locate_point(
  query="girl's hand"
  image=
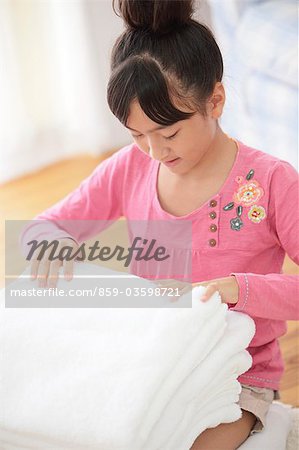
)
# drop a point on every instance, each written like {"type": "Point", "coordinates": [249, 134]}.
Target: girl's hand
{"type": "Point", "coordinates": [227, 287]}
{"type": "Point", "coordinates": [47, 272]}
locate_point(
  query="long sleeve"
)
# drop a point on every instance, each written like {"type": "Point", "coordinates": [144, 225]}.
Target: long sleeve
{"type": "Point", "coordinates": [88, 210]}
{"type": "Point", "coordinates": [275, 295]}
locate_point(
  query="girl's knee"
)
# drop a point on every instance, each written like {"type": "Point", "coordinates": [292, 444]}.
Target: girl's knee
{"type": "Point", "coordinates": [226, 436]}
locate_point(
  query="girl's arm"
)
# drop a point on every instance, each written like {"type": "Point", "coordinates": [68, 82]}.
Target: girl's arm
{"type": "Point", "coordinates": [276, 296]}
{"type": "Point", "coordinates": [86, 211]}
{"type": "Point", "coordinates": [271, 296]}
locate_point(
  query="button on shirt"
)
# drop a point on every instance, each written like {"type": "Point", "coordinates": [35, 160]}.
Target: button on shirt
{"type": "Point", "coordinates": [245, 230]}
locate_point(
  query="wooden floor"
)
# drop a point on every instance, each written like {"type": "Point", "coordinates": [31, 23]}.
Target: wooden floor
{"type": "Point", "coordinates": [27, 196]}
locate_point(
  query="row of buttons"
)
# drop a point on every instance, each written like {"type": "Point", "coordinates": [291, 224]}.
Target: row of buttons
{"type": "Point", "coordinates": [213, 227]}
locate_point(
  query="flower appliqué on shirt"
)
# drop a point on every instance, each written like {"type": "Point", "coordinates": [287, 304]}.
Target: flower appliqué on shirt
{"type": "Point", "coordinates": [256, 214]}
{"type": "Point", "coordinates": [247, 195]}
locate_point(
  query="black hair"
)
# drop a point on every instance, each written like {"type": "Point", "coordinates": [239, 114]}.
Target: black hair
{"type": "Point", "coordinates": [162, 55]}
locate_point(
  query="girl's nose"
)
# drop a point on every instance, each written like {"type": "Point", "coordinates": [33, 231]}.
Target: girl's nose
{"type": "Point", "coordinates": [157, 151]}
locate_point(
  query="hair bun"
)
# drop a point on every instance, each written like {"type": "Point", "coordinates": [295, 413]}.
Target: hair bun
{"type": "Point", "coordinates": [158, 16]}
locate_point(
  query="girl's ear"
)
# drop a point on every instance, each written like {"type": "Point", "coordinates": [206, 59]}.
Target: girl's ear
{"type": "Point", "coordinates": [217, 101]}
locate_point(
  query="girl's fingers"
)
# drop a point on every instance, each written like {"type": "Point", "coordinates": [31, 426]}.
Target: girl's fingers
{"type": "Point", "coordinates": [211, 289]}
{"type": "Point", "coordinates": [227, 288]}
{"type": "Point", "coordinates": [43, 272]}
{"type": "Point", "coordinates": [164, 283]}
{"type": "Point", "coordinates": [34, 269]}
{"type": "Point", "coordinates": [54, 273]}
{"type": "Point", "coordinates": [68, 268]}
{"type": "Point", "coordinates": [47, 271]}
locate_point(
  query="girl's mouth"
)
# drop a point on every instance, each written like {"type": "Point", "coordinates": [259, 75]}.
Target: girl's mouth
{"type": "Point", "coordinates": [173, 162]}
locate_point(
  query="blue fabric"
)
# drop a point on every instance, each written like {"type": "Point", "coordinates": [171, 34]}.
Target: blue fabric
{"type": "Point", "coordinates": [258, 40]}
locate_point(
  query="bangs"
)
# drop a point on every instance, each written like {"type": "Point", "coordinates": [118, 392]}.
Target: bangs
{"type": "Point", "coordinates": [141, 78]}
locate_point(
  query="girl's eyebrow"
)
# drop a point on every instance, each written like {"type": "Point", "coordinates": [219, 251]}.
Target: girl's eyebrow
{"type": "Point", "coordinates": [160, 127]}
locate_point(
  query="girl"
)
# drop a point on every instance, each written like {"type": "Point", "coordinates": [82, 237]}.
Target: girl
{"type": "Point", "coordinates": [166, 88]}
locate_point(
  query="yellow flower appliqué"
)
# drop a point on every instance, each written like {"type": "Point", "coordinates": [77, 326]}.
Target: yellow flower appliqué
{"type": "Point", "coordinates": [249, 193]}
{"type": "Point", "coordinates": [256, 213]}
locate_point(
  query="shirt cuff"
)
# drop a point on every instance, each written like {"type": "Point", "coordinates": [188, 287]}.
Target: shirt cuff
{"type": "Point", "coordinates": [243, 284]}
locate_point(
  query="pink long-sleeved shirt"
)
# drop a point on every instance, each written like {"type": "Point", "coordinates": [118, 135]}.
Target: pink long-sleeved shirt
{"type": "Point", "coordinates": [251, 246]}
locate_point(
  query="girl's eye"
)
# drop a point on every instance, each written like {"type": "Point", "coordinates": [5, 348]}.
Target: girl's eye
{"type": "Point", "coordinates": [171, 137]}
{"type": "Point", "coordinates": [136, 137]}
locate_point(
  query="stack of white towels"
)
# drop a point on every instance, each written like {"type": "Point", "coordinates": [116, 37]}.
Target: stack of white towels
{"type": "Point", "coordinates": [119, 378]}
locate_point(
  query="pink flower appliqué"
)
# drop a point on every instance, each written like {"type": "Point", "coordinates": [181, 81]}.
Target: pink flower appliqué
{"type": "Point", "coordinates": [249, 193]}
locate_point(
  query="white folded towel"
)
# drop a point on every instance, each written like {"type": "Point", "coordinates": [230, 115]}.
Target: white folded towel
{"type": "Point", "coordinates": [274, 436]}
{"type": "Point", "coordinates": [117, 378]}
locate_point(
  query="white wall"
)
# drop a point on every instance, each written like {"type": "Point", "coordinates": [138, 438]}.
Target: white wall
{"type": "Point", "coordinates": [54, 68]}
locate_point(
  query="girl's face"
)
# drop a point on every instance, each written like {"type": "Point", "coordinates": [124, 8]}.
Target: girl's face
{"type": "Point", "coordinates": [186, 141]}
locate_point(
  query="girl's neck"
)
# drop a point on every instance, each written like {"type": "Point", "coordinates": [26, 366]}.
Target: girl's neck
{"type": "Point", "coordinates": [219, 158]}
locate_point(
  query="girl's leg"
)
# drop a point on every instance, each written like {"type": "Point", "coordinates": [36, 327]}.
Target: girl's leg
{"type": "Point", "coordinates": [226, 436]}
